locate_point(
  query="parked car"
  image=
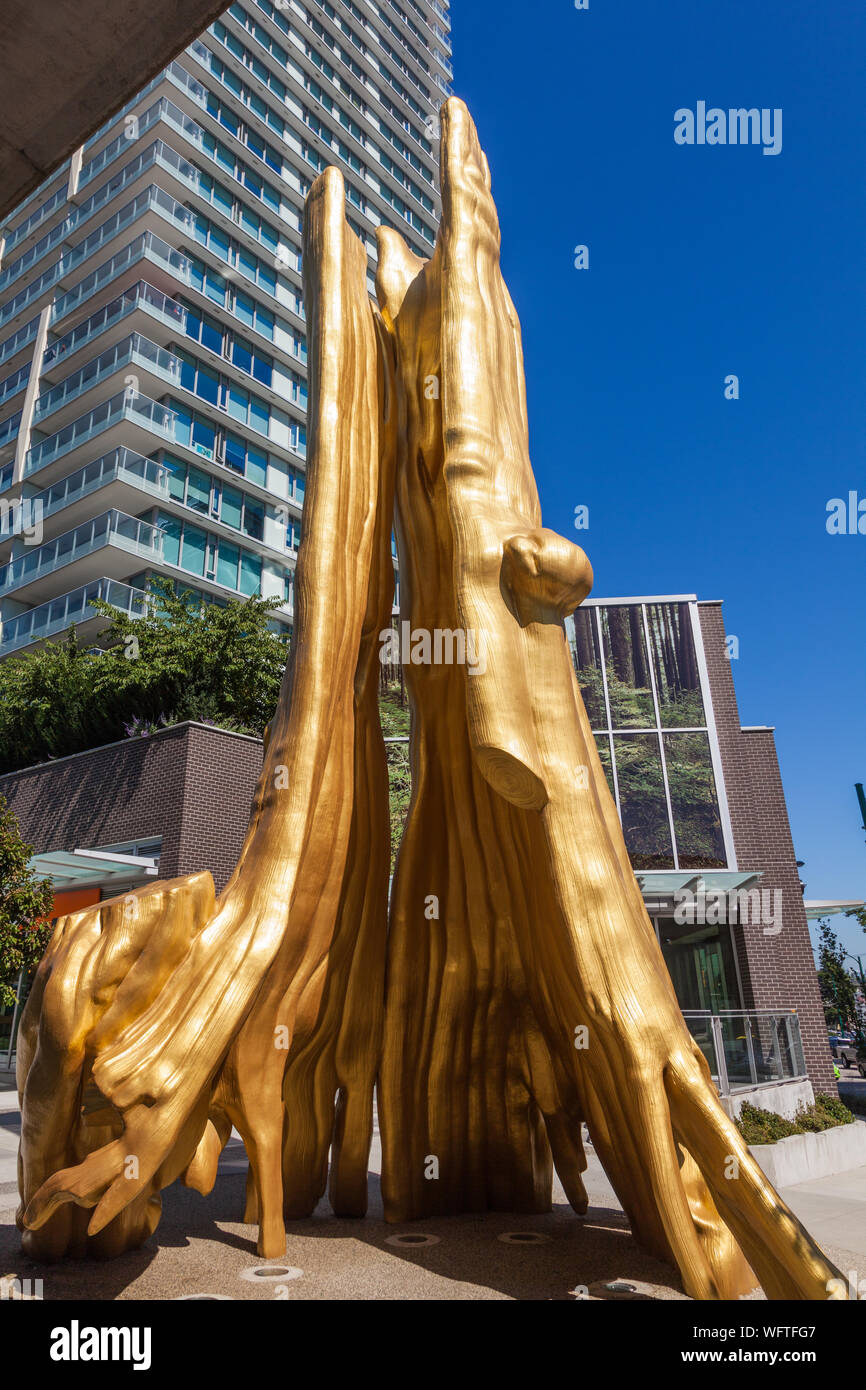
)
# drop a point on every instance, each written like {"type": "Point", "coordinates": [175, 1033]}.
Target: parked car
{"type": "Point", "coordinates": [852, 1056]}
{"type": "Point", "coordinates": [847, 1051]}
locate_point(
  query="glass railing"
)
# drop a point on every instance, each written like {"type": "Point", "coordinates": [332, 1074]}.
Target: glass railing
{"type": "Point", "coordinates": [147, 245]}
{"type": "Point", "coordinates": [57, 199]}
{"type": "Point", "coordinates": [68, 262]}
{"type": "Point", "coordinates": [111, 528]}
{"type": "Point", "coordinates": [14, 383]}
{"type": "Point", "coordinates": [36, 252]}
{"type": "Point", "coordinates": [161, 110]}
{"type": "Point", "coordinates": [82, 214]}
{"type": "Point", "coordinates": [32, 291]}
{"type": "Point", "coordinates": [107, 155]}
{"type": "Point", "coordinates": [9, 428]}
{"type": "Point", "coordinates": [49, 619]}
{"type": "Point", "coordinates": [123, 465]}
{"type": "Point", "coordinates": [135, 348]}
{"type": "Point", "coordinates": [133, 101]}
{"type": "Point", "coordinates": [129, 405]}
{"type": "Point", "coordinates": [140, 296]}
{"type": "Point", "coordinates": [185, 80]}
{"type": "Point", "coordinates": [19, 340]}
{"type": "Point", "coordinates": [750, 1048]}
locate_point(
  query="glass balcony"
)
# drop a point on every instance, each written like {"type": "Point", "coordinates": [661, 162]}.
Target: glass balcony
{"type": "Point", "coordinates": [133, 101]}
{"type": "Point", "coordinates": [120, 466]}
{"type": "Point", "coordinates": [751, 1048]}
{"type": "Point", "coordinates": [147, 246]}
{"type": "Point", "coordinates": [140, 296]}
{"type": "Point", "coordinates": [91, 245]}
{"type": "Point", "coordinates": [81, 215]}
{"type": "Point", "coordinates": [19, 340]}
{"type": "Point", "coordinates": [135, 350]}
{"type": "Point", "coordinates": [50, 619]}
{"type": "Point", "coordinates": [57, 199]}
{"type": "Point", "coordinates": [9, 428]}
{"type": "Point", "coordinates": [111, 528]}
{"type": "Point", "coordinates": [15, 383]}
{"type": "Point", "coordinates": [121, 144]}
{"type": "Point", "coordinates": [127, 406]}
{"type": "Point", "coordinates": [33, 291]}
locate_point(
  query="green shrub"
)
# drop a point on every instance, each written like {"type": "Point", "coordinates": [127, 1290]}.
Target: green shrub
{"type": "Point", "coordinates": [836, 1110]}
{"type": "Point", "coordinates": [759, 1126]}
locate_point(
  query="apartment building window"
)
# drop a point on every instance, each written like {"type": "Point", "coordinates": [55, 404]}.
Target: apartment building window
{"type": "Point", "coordinates": [203, 554]}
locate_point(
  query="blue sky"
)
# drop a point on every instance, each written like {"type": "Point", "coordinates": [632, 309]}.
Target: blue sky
{"type": "Point", "coordinates": [704, 261]}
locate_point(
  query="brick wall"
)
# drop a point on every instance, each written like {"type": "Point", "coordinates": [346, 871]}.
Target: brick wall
{"type": "Point", "coordinates": [191, 784]}
{"type": "Point", "coordinates": [777, 971]}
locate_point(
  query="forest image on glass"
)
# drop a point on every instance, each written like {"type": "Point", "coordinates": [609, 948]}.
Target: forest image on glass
{"type": "Point", "coordinates": [638, 671]}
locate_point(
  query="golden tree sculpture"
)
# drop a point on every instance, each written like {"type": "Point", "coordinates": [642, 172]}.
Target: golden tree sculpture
{"type": "Point", "coordinates": [514, 989]}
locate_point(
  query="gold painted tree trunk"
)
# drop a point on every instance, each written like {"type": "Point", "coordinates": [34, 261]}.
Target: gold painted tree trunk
{"type": "Point", "coordinates": [518, 933]}
{"type": "Point", "coordinates": [273, 996]}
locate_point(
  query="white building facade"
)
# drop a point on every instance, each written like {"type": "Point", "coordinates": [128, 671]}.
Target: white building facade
{"type": "Point", "coordinates": [153, 380]}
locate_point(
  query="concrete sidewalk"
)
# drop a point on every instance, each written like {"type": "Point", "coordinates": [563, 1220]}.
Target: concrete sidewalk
{"type": "Point", "coordinates": [202, 1249]}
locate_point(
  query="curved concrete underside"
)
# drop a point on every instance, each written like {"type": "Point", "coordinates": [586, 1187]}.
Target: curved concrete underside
{"type": "Point", "coordinates": [68, 65]}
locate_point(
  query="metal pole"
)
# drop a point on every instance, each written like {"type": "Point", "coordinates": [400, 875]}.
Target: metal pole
{"type": "Point", "coordinates": [858, 787]}
{"type": "Point", "coordinates": [721, 1060]}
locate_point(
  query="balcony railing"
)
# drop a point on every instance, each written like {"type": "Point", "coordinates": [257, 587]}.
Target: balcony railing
{"type": "Point", "coordinates": [9, 428]}
{"type": "Point", "coordinates": [747, 1049]}
{"type": "Point", "coordinates": [128, 405]}
{"type": "Point", "coordinates": [121, 465]}
{"type": "Point", "coordinates": [134, 349]}
{"type": "Point", "coordinates": [140, 296]}
{"type": "Point", "coordinates": [111, 528]}
{"type": "Point", "coordinates": [48, 619]}
{"type": "Point", "coordinates": [147, 245]}
{"type": "Point", "coordinates": [19, 340]}
{"type": "Point", "coordinates": [15, 383]}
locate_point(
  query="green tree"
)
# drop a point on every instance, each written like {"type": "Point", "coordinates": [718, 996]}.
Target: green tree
{"type": "Point", "coordinates": [183, 659]}
{"type": "Point", "coordinates": [859, 915]}
{"type": "Point", "coordinates": [189, 660]}
{"type": "Point", "coordinates": [25, 902]}
{"type": "Point", "coordinates": [837, 986]}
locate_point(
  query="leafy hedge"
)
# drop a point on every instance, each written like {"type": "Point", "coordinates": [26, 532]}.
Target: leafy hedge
{"type": "Point", "coordinates": [759, 1126]}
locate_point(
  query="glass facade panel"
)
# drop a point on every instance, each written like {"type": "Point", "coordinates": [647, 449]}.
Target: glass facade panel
{"type": "Point", "coordinates": [587, 663]}
{"type": "Point", "coordinates": [171, 544]}
{"type": "Point", "coordinates": [643, 806]}
{"type": "Point", "coordinates": [631, 683]}
{"type": "Point", "coordinates": [231, 507]}
{"type": "Point", "coordinates": [227, 564]}
{"type": "Point", "coordinates": [694, 801]}
{"type": "Point", "coordinates": [198, 490]}
{"type": "Point", "coordinates": [675, 665]}
{"type": "Point", "coordinates": [602, 743]}
{"type": "Point", "coordinates": [700, 961]}
{"type": "Point", "coordinates": [194, 549]}
{"type": "Point", "coordinates": [628, 676]}
{"type": "Point", "coordinates": [251, 573]}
